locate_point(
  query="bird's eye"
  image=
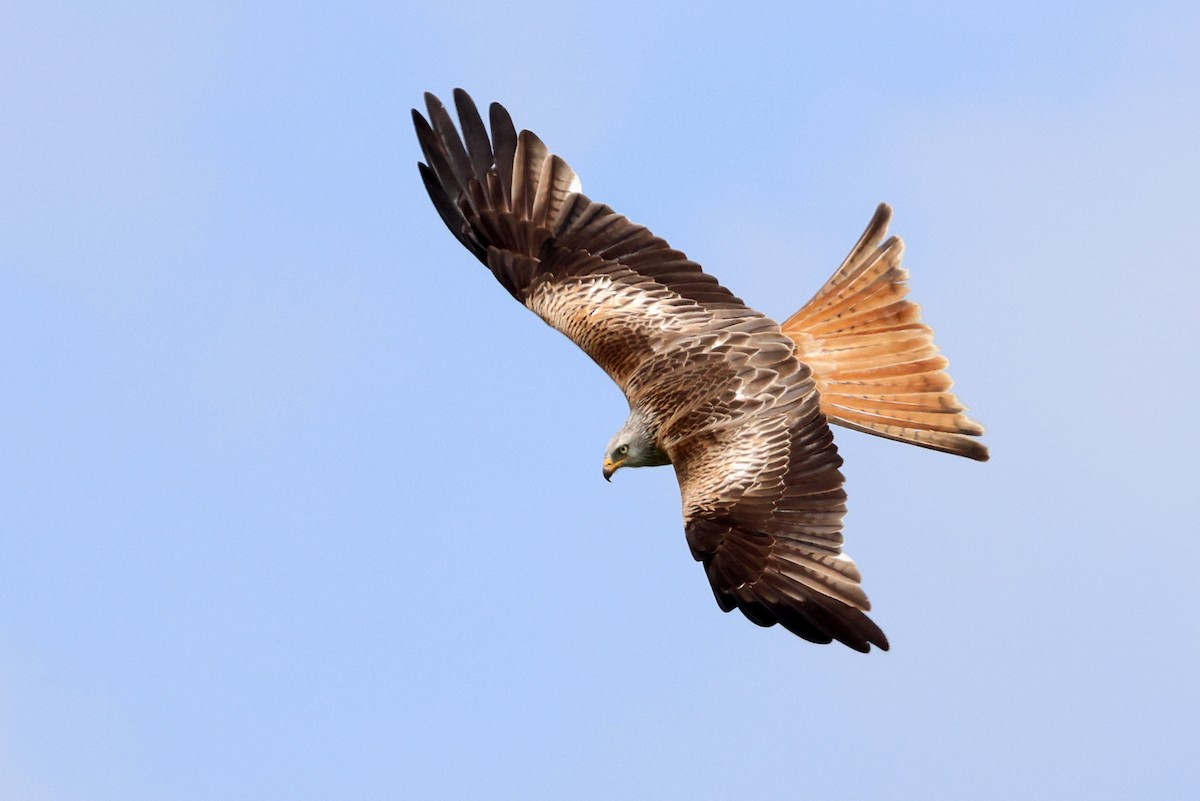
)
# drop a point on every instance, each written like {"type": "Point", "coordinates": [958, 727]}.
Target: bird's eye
{"type": "Point", "coordinates": [621, 451]}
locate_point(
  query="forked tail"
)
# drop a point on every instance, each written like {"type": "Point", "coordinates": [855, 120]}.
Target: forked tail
{"type": "Point", "coordinates": [873, 360]}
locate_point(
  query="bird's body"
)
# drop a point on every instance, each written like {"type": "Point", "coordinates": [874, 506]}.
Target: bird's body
{"type": "Point", "coordinates": [737, 403]}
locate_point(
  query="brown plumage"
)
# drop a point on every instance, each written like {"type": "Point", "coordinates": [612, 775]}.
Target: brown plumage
{"type": "Point", "coordinates": [738, 404]}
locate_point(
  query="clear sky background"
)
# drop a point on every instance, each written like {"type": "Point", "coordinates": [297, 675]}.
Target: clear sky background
{"type": "Point", "coordinates": [296, 503]}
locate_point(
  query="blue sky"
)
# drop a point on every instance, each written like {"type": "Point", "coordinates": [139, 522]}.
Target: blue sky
{"type": "Point", "coordinates": [298, 504]}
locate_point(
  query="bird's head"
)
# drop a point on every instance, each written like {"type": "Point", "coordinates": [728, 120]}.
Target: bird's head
{"type": "Point", "coordinates": [632, 446]}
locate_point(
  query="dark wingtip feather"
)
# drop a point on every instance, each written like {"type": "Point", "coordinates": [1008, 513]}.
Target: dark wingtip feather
{"type": "Point", "coordinates": [504, 142]}
{"type": "Point", "coordinates": [424, 133]}
{"type": "Point", "coordinates": [452, 145]}
{"type": "Point", "coordinates": [479, 146]}
{"type": "Point", "coordinates": [449, 212]}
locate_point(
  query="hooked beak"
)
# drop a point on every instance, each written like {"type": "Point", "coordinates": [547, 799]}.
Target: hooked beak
{"type": "Point", "coordinates": [610, 467]}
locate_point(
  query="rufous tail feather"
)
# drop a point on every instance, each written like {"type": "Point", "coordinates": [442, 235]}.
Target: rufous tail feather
{"type": "Point", "coordinates": [873, 360]}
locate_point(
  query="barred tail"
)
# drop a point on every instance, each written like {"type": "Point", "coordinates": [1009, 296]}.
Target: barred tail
{"type": "Point", "coordinates": [873, 360]}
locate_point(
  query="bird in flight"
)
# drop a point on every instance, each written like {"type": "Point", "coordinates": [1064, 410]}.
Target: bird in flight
{"type": "Point", "coordinates": [739, 404]}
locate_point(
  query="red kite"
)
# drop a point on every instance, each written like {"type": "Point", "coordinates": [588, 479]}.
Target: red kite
{"type": "Point", "coordinates": [738, 403]}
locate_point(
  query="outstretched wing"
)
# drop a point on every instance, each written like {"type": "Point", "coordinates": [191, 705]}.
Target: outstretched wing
{"type": "Point", "coordinates": [608, 284]}
{"type": "Point", "coordinates": [763, 506]}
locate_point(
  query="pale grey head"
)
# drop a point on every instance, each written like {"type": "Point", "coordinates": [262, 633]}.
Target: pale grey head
{"type": "Point", "coordinates": [633, 446]}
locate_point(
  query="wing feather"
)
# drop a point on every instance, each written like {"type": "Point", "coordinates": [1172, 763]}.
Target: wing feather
{"type": "Point", "coordinates": [479, 146]}
{"type": "Point", "coordinates": [504, 145]}
{"type": "Point", "coordinates": [607, 283]}
{"type": "Point", "coordinates": [763, 507]}
{"type": "Point", "coordinates": [448, 211]}
{"type": "Point", "coordinates": [451, 144]}
{"type": "Point", "coordinates": [540, 188]}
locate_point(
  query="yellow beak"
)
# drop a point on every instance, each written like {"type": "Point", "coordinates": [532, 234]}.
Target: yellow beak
{"type": "Point", "coordinates": [611, 467]}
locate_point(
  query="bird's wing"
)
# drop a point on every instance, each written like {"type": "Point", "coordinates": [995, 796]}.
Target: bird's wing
{"type": "Point", "coordinates": [610, 285]}
{"type": "Point", "coordinates": [763, 504]}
